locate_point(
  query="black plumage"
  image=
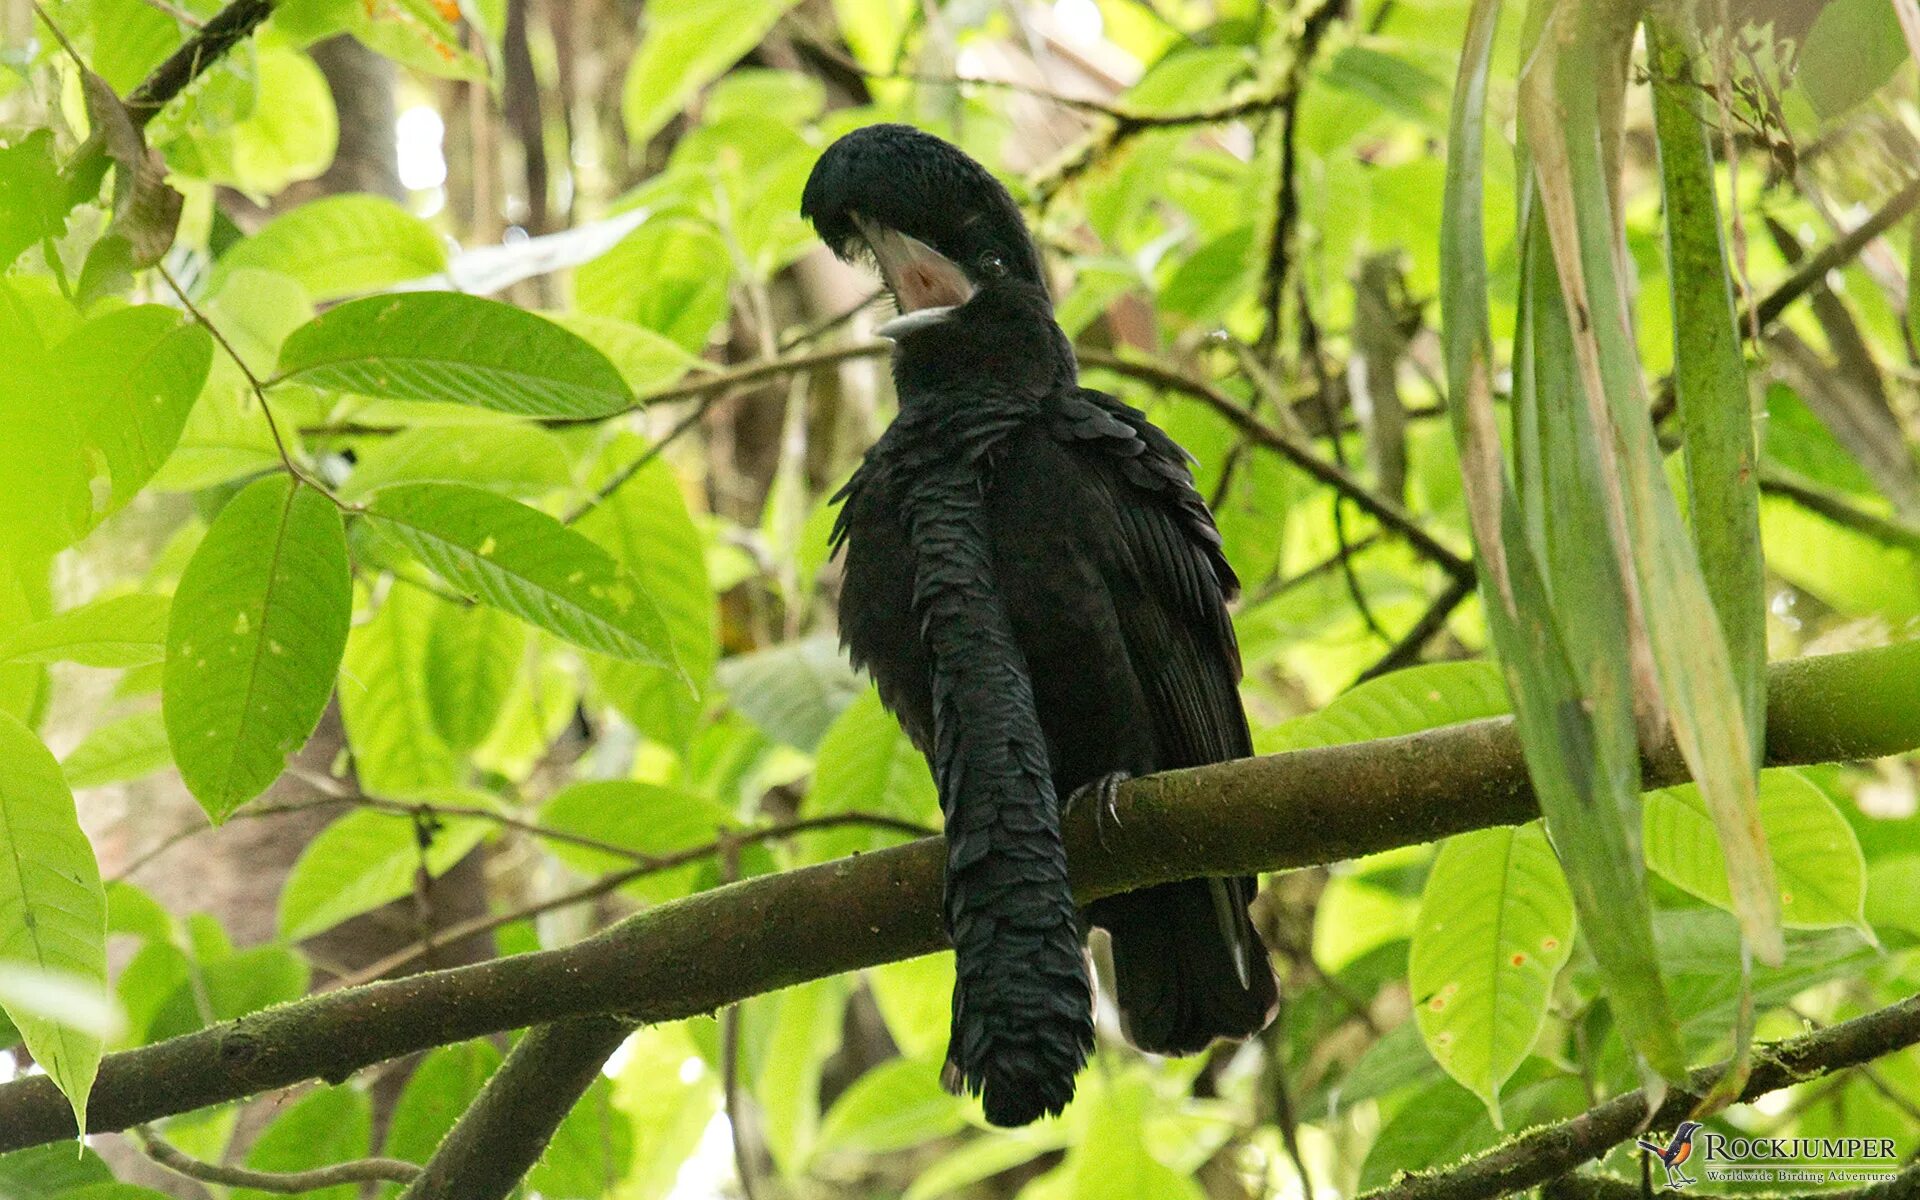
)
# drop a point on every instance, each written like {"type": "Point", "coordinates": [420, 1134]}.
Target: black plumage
{"type": "Point", "coordinates": [1039, 593]}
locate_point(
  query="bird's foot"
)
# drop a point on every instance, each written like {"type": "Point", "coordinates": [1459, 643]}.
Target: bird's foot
{"type": "Point", "coordinates": [1104, 792]}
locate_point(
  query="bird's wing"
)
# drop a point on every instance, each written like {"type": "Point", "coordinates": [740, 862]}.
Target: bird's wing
{"type": "Point", "coordinates": [1188, 962]}
{"type": "Point", "coordinates": [1170, 581]}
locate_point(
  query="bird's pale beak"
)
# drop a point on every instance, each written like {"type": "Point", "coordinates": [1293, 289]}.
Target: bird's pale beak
{"type": "Point", "coordinates": [925, 283]}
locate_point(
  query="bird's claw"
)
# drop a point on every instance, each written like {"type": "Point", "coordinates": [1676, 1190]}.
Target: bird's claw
{"type": "Point", "coordinates": [1106, 793]}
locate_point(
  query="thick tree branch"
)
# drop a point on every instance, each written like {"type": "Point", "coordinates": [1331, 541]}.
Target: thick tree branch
{"type": "Point", "coordinates": [496, 1143]}
{"type": "Point", "coordinates": [707, 950]}
{"type": "Point", "coordinates": [1552, 1150]}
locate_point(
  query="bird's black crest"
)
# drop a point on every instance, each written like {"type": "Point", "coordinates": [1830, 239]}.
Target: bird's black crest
{"type": "Point", "coordinates": [919, 185]}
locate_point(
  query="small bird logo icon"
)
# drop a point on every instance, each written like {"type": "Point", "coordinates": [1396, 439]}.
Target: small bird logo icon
{"type": "Point", "coordinates": [1678, 1149]}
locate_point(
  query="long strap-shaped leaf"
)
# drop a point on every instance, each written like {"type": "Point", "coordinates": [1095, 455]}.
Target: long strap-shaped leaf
{"type": "Point", "coordinates": [1594, 843]}
{"type": "Point", "coordinates": [1560, 105]}
{"type": "Point", "coordinates": [1710, 373]}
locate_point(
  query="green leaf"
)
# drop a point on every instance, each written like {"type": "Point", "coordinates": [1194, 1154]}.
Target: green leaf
{"type": "Point", "coordinates": [53, 911]}
{"type": "Point", "coordinates": [1852, 48]}
{"type": "Point", "coordinates": [982, 1158]}
{"type": "Point", "coordinates": [515, 459]}
{"type": "Point", "coordinates": [33, 201]}
{"type": "Point", "coordinates": [647, 360]}
{"type": "Point", "coordinates": [645, 525]}
{"type": "Point", "coordinates": [897, 1105]}
{"type": "Point", "coordinates": [437, 1093]}
{"type": "Point", "coordinates": [684, 44]}
{"type": "Point", "coordinates": [915, 998]}
{"type": "Point", "coordinates": [806, 1029]}
{"type": "Point", "coordinates": [647, 819]}
{"type": "Point", "coordinates": [669, 1095]}
{"type": "Point", "coordinates": [132, 376]}
{"type": "Point", "coordinates": [793, 691]}
{"type": "Point", "coordinates": [1495, 927]}
{"type": "Point", "coordinates": [254, 641]}
{"type": "Point", "coordinates": [473, 657]}
{"type": "Point", "coordinates": [1402, 702]}
{"type": "Point", "coordinates": [367, 859]}
{"type": "Point", "coordinates": [118, 751]}
{"type": "Point", "coordinates": [292, 137]}
{"type": "Point", "coordinates": [84, 1006]}
{"type": "Point", "coordinates": [1816, 857]}
{"type": "Point", "coordinates": [1710, 376]}
{"type": "Point", "coordinates": [333, 1125]}
{"type": "Point", "coordinates": [386, 701]}
{"type": "Point", "coordinates": [229, 985]}
{"type": "Point", "coordinates": [343, 246]}
{"type": "Point", "coordinates": [50, 1171]}
{"type": "Point", "coordinates": [455, 348]}
{"type": "Point", "coordinates": [670, 276]}
{"type": "Point", "coordinates": [522, 561]}
{"type": "Point", "coordinates": [590, 1152]}
{"type": "Point", "coordinates": [865, 763]}
{"type": "Point", "coordinates": [121, 631]}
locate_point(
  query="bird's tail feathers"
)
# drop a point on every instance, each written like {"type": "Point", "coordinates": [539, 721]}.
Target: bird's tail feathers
{"type": "Point", "coordinates": [1188, 966]}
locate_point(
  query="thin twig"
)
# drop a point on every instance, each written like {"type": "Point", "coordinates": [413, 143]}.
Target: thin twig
{"type": "Point", "coordinates": [475, 926]}
{"type": "Point", "coordinates": [286, 1183]}
{"type": "Point", "coordinates": [334, 789]}
{"type": "Point", "coordinates": [1273, 282]}
{"type": "Point", "coordinates": [259, 391]}
{"type": "Point", "coordinates": [1778, 481]}
{"type": "Point", "coordinates": [1330, 413]}
{"type": "Point", "coordinates": [1407, 650]}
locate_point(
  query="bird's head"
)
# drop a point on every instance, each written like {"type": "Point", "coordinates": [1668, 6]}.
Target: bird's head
{"type": "Point", "coordinates": [947, 238]}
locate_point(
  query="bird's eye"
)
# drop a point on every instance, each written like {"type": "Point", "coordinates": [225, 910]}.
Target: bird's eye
{"type": "Point", "coordinates": [992, 265]}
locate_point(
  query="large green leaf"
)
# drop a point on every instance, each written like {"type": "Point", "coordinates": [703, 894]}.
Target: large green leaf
{"type": "Point", "coordinates": [131, 376]}
{"type": "Point", "coordinates": [120, 631]}
{"type": "Point", "coordinates": [473, 657]}
{"type": "Point", "coordinates": [333, 1125]}
{"type": "Point", "coordinates": [793, 691]}
{"type": "Point", "coordinates": [53, 911]}
{"type": "Point", "coordinates": [865, 763]}
{"type": "Point", "coordinates": [683, 45]}
{"type": "Point", "coordinates": [1710, 375]}
{"type": "Point", "coordinates": [645, 525]}
{"type": "Point", "coordinates": [1495, 927]}
{"type": "Point", "coordinates": [343, 246]}
{"type": "Point", "coordinates": [1586, 800]}
{"type": "Point", "coordinates": [1398, 703]}
{"type": "Point", "coordinates": [897, 1105]}
{"type": "Point", "coordinates": [118, 751]}
{"type": "Point", "coordinates": [647, 819]}
{"type": "Point", "coordinates": [368, 858]}
{"type": "Point", "coordinates": [386, 701]}
{"type": "Point", "coordinates": [258, 625]}
{"type": "Point", "coordinates": [32, 198]}
{"type": "Point", "coordinates": [438, 1091]}
{"type": "Point", "coordinates": [512, 458]}
{"type": "Point", "coordinates": [1816, 857]}
{"type": "Point", "coordinates": [522, 561]}
{"type": "Point", "coordinates": [457, 348]}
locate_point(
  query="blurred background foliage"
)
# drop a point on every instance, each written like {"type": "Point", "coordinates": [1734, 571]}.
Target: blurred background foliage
{"type": "Point", "coordinates": [1240, 206]}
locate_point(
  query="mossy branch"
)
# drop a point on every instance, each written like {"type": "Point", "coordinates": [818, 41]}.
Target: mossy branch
{"type": "Point", "coordinates": [697, 954]}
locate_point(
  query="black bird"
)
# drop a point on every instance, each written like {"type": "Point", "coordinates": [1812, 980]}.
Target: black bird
{"type": "Point", "coordinates": [1039, 593]}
